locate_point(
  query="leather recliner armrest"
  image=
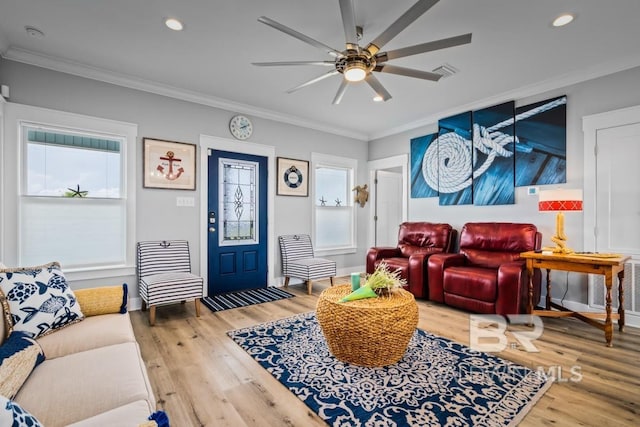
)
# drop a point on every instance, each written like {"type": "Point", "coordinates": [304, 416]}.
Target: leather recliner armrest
{"type": "Point", "coordinates": [380, 252]}
{"type": "Point", "coordinates": [512, 282]}
{"type": "Point", "coordinates": [437, 263]}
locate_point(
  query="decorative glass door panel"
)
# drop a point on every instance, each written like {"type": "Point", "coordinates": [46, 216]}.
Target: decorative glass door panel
{"type": "Point", "coordinates": [238, 183]}
{"type": "Point", "coordinates": [236, 221]}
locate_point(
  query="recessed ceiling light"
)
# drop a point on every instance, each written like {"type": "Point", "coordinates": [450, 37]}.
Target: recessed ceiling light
{"type": "Point", "coordinates": [174, 24]}
{"type": "Point", "coordinates": [377, 98]}
{"type": "Point", "coordinates": [562, 20]}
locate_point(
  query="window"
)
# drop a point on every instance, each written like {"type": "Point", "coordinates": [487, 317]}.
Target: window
{"type": "Point", "coordinates": [334, 210]}
{"type": "Point", "coordinates": [75, 192]}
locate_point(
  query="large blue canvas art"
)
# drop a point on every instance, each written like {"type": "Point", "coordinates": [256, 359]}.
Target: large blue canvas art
{"type": "Point", "coordinates": [541, 151]}
{"type": "Point", "coordinates": [454, 160]}
{"type": "Point", "coordinates": [421, 169]}
{"type": "Point", "coordinates": [479, 158]}
{"type": "Point", "coordinates": [493, 161]}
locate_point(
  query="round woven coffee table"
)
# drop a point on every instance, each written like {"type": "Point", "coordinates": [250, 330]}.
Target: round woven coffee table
{"type": "Point", "coordinates": [367, 332]}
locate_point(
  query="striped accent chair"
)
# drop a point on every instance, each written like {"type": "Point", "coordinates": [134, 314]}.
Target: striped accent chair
{"type": "Point", "coordinates": [298, 260]}
{"type": "Point", "coordinates": [164, 275]}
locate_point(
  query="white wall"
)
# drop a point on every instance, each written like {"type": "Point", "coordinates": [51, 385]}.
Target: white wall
{"type": "Point", "coordinates": [167, 118]}
{"type": "Point", "coordinates": [603, 94]}
{"type": "Point", "coordinates": [171, 119]}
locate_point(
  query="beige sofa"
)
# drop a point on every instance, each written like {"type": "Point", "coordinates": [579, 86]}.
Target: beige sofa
{"type": "Point", "coordinates": [93, 374]}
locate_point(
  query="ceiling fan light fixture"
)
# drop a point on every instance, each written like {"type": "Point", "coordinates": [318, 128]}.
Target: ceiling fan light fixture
{"type": "Point", "coordinates": [355, 72]}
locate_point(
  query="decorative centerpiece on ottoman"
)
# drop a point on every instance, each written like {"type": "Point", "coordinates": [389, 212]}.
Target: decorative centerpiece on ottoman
{"type": "Point", "coordinates": [367, 332]}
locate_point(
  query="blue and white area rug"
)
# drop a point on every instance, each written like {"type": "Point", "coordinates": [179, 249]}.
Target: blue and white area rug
{"type": "Point", "coordinates": [244, 298]}
{"type": "Point", "coordinates": [437, 383]}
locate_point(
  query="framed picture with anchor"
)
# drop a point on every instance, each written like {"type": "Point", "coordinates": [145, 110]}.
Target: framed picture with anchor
{"type": "Point", "coordinates": [293, 177]}
{"type": "Point", "coordinates": [169, 164]}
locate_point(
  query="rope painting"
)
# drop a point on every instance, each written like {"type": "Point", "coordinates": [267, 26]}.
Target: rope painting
{"type": "Point", "coordinates": [484, 155]}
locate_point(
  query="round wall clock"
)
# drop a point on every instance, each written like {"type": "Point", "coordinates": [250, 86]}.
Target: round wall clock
{"type": "Point", "coordinates": [240, 127]}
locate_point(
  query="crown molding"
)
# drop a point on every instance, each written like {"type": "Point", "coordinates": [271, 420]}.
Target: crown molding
{"type": "Point", "coordinates": [543, 86]}
{"type": "Point", "coordinates": [120, 79]}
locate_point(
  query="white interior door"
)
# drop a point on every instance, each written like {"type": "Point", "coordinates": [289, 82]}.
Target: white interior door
{"type": "Point", "coordinates": [618, 190]}
{"type": "Point", "coordinates": [388, 209]}
{"type": "Point", "coordinates": [389, 201]}
{"type": "Point", "coordinates": [612, 200]}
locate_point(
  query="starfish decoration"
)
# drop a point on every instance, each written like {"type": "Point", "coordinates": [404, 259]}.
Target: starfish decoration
{"type": "Point", "coordinates": [323, 202]}
{"type": "Point", "coordinates": [76, 192]}
{"type": "Point", "coordinates": [338, 202]}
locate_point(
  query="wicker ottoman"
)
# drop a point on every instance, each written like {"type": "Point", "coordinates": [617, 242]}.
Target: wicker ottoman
{"type": "Point", "coordinates": [367, 332]}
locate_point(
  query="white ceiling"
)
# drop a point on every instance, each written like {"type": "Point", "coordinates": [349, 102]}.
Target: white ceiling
{"type": "Point", "coordinates": [515, 51]}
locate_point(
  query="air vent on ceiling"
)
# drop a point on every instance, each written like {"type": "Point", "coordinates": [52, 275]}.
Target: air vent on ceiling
{"type": "Point", "coordinates": [446, 70]}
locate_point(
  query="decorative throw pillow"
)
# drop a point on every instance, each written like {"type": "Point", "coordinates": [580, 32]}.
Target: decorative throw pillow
{"type": "Point", "coordinates": [103, 300]}
{"type": "Point", "coordinates": [19, 355]}
{"type": "Point", "coordinates": [11, 414]}
{"type": "Point", "coordinates": [39, 298]}
{"type": "Point", "coordinates": [7, 323]}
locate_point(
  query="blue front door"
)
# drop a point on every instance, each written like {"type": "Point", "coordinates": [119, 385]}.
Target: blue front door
{"type": "Point", "coordinates": [237, 222]}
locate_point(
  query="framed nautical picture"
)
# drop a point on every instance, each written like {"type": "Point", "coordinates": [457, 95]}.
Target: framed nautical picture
{"type": "Point", "coordinates": [169, 164]}
{"type": "Point", "coordinates": [293, 177]}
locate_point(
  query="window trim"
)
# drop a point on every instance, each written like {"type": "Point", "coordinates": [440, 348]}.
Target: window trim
{"type": "Point", "coordinates": [15, 115]}
{"type": "Point", "coordinates": [327, 160]}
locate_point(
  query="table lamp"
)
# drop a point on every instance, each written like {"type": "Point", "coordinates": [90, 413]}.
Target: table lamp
{"type": "Point", "coordinates": [560, 201]}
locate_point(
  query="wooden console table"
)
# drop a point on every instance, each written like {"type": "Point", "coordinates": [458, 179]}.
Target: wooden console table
{"type": "Point", "coordinates": [609, 267]}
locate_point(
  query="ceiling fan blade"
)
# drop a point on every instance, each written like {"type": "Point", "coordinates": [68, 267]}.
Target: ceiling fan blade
{"type": "Point", "coordinates": [314, 80]}
{"type": "Point", "coordinates": [377, 87]}
{"type": "Point", "coordinates": [402, 71]}
{"type": "Point", "coordinates": [423, 48]}
{"type": "Point", "coordinates": [315, 43]}
{"type": "Point", "coordinates": [341, 90]}
{"type": "Point", "coordinates": [349, 23]}
{"type": "Point", "coordinates": [279, 63]}
{"type": "Point", "coordinates": [400, 24]}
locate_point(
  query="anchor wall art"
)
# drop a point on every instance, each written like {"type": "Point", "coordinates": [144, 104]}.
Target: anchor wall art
{"type": "Point", "coordinates": [480, 157]}
{"type": "Point", "coordinates": [169, 164]}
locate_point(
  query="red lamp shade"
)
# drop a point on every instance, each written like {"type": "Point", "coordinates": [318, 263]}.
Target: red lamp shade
{"type": "Point", "coordinates": [560, 200]}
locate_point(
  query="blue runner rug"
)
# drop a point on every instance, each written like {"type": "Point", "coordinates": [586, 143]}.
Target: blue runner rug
{"type": "Point", "coordinates": [437, 383]}
{"type": "Point", "coordinates": [244, 298]}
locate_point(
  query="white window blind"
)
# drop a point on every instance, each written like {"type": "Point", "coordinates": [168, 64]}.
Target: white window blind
{"type": "Point", "coordinates": [75, 197]}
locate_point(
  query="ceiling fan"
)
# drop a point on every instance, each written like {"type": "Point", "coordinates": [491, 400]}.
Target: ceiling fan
{"type": "Point", "coordinates": [357, 63]}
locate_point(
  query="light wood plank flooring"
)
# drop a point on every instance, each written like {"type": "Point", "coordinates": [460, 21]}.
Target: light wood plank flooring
{"type": "Point", "coordinates": [202, 378]}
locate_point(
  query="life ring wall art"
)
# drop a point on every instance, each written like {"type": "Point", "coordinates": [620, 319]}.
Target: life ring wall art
{"type": "Point", "coordinates": [293, 177]}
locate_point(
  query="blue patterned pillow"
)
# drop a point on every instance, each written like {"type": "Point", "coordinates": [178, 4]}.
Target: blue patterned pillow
{"type": "Point", "coordinates": [39, 298]}
{"type": "Point", "coordinates": [19, 355]}
{"type": "Point", "coordinates": [11, 414]}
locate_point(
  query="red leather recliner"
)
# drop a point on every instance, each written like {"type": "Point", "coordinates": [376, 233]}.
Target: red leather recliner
{"type": "Point", "coordinates": [487, 275]}
{"type": "Point", "coordinates": [417, 241]}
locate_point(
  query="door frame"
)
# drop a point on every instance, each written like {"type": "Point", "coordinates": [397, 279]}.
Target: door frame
{"type": "Point", "coordinates": [590, 127]}
{"type": "Point", "coordinates": [402, 161]}
{"type": "Point", "coordinates": [208, 142]}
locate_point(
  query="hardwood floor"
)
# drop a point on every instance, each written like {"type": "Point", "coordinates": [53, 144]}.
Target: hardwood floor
{"type": "Point", "coordinates": [202, 378]}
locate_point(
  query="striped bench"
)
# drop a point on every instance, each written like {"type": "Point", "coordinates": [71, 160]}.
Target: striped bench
{"type": "Point", "coordinates": [298, 260]}
{"type": "Point", "coordinates": [164, 275]}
